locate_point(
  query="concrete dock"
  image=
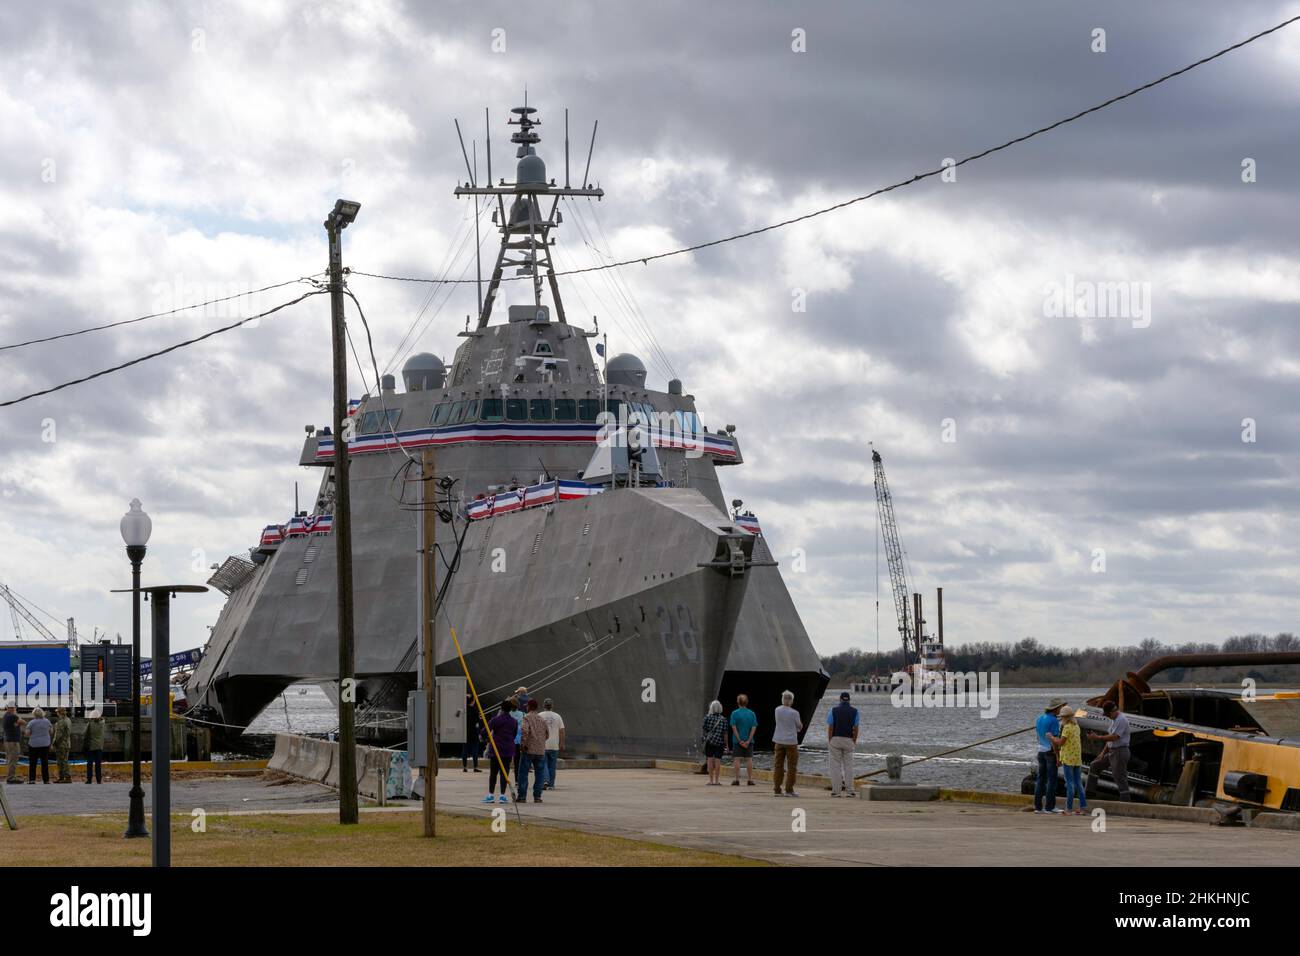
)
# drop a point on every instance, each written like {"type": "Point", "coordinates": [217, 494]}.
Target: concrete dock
{"type": "Point", "coordinates": [678, 809]}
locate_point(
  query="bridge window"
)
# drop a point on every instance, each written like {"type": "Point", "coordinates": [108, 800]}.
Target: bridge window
{"type": "Point", "coordinates": [539, 410]}
{"type": "Point", "coordinates": [441, 413]}
{"type": "Point", "coordinates": [588, 409]}
{"type": "Point", "coordinates": [566, 409]}
{"type": "Point", "coordinates": [516, 409]}
{"type": "Point", "coordinates": [372, 422]}
{"type": "Point", "coordinates": [493, 410]}
{"type": "Point", "coordinates": [688, 422]}
{"type": "Point", "coordinates": [457, 414]}
{"type": "Point", "coordinates": [542, 348]}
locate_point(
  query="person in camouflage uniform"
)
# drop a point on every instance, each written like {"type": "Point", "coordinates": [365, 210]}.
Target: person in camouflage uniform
{"type": "Point", "coordinates": [62, 744]}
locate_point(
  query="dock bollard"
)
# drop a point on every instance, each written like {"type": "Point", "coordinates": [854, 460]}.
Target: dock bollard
{"type": "Point", "coordinates": [894, 767]}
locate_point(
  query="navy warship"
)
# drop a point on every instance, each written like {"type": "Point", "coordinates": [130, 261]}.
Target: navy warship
{"type": "Point", "coordinates": [591, 556]}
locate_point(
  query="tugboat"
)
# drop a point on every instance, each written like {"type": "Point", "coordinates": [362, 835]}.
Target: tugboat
{"type": "Point", "coordinates": [1193, 745]}
{"type": "Point", "coordinates": [590, 557]}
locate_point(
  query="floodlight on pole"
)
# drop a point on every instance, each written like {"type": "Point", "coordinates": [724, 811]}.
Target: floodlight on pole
{"type": "Point", "coordinates": [345, 212]}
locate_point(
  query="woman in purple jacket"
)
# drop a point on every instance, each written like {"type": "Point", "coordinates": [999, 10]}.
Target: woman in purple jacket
{"type": "Point", "coordinates": [503, 728]}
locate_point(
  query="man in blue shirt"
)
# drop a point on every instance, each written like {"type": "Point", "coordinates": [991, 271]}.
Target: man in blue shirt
{"type": "Point", "coordinates": [744, 724]}
{"type": "Point", "coordinates": [842, 734]}
{"type": "Point", "coordinates": [1048, 730]}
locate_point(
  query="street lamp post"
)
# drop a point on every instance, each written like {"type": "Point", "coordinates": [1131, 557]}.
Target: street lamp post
{"type": "Point", "coordinates": [135, 527]}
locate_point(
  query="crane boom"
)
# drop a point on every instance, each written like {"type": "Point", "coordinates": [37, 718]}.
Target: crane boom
{"type": "Point", "coordinates": [894, 553]}
{"type": "Point", "coordinates": [17, 609]}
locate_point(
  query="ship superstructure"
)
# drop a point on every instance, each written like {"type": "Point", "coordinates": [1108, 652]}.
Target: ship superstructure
{"type": "Point", "coordinates": [597, 563]}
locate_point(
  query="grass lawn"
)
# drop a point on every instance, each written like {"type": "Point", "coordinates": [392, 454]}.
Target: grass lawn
{"type": "Point", "coordinates": [380, 839]}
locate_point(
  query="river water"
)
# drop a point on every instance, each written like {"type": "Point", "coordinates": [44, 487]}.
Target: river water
{"type": "Point", "coordinates": [913, 732]}
{"type": "Point", "coordinates": [916, 732]}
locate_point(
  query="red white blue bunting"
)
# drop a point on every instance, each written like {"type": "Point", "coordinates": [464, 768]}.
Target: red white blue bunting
{"type": "Point", "coordinates": [273, 535]}
{"type": "Point", "coordinates": [533, 496]}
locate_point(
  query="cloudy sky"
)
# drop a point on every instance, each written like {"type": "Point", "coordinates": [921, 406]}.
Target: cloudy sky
{"type": "Point", "coordinates": [1079, 473]}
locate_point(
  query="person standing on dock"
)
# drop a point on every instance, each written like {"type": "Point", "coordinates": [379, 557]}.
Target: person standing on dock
{"type": "Point", "coordinates": [502, 727]}
{"type": "Point", "coordinates": [554, 740]}
{"type": "Point", "coordinates": [1116, 752]}
{"type": "Point", "coordinates": [93, 742]}
{"type": "Point", "coordinates": [1048, 729]}
{"type": "Point", "coordinates": [469, 749]}
{"type": "Point", "coordinates": [38, 746]}
{"type": "Point", "coordinates": [13, 734]}
{"type": "Point", "coordinates": [714, 734]}
{"type": "Point", "coordinates": [785, 743]}
{"type": "Point", "coordinates": [533, 758]}
{"type": "Point", "coordinates": [62, 744]}
{"type": "Point", "coordinates": [517, 705]}
{"type": "Point", "coordinates": [1072, 763]}
{"type": "Point", "coordinates": [841, 738]}
{"type": "Point", "coordinates": [744, 724]}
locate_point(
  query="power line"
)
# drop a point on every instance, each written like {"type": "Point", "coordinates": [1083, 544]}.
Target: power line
{"type": "Point", "coordinates": [454, 249]}
{"type": "Point", "coordinates": [153, 355]}
{"type": "Point", "coordinates": [379, 384]}
{"type": "Point", "coordinates": [645, 260]}
{"type": "Point", "coordinates": [155, 315]}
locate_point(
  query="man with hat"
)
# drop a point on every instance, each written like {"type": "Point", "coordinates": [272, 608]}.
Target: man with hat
{"type": "Point", "coordinates": [1048, 730]}
{"type": "Point", "coordinates": [1116, 752]}
{"type": "Point", "coordinates": [842, 735]}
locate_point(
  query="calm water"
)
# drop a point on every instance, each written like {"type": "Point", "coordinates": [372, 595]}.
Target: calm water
{"type": "Point", "coordinates": [912, 732]}
{"type": "Point", "coordinates": [302, 709]}
{"type": "Point", "coordinates": [918, 732]}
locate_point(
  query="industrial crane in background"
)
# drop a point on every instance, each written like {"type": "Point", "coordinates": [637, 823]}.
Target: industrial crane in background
{"type": "Point", "coordinates": [897, 570]}
{"type": "Point", "coordinates": [18, 613]}
{"type": "Point", "coordinates": [921, 654]}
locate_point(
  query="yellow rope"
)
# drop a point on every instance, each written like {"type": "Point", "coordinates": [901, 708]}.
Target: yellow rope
{"type": "Point", "coordinates": [505, 774]}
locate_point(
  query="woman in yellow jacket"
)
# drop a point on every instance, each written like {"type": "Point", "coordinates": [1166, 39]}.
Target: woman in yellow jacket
{"type": "Point", "coordinates": [1072, 764]}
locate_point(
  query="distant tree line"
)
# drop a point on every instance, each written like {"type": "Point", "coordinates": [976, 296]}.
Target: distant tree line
{"type": "Point", "coordinates": [1030, 662]}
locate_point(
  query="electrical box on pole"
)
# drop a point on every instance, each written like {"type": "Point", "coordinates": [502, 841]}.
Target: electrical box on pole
{"type": "Point", "coordinates": [449, 717]}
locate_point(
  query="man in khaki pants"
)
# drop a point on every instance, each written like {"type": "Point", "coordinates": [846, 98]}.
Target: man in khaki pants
{"type": "Point", "coordinates": [785, 746]}
{"type": "Point", "coordinates": [841, 737]}
{"type": "Point", "coordinates": [13, 734]}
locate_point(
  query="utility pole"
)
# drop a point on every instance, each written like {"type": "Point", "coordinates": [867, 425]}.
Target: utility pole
{"type": "Point", "coordinates": [343, 214]}
{"type": "Point", "coordinates": [428, 633]}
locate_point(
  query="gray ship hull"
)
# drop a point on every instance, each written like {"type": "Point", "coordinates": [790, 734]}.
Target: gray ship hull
{"type": "Point", "coordinates": [637, 637]}
{"type": "Point", "coordinates": [632, 608]}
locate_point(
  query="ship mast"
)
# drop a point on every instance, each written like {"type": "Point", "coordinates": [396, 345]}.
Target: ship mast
{"type": "Point", "coordinates": [525, 232]}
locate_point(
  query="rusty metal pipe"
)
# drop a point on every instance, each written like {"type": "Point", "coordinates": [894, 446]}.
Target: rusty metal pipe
{"type": "Point", "coordinates": [1153, 667]}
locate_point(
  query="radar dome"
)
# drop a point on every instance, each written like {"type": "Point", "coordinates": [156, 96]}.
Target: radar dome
{"type": "Point", "coordinates": [531, 170]}
{"type": "Point", "coordinates": [625, 369]}
{"type": "Point", "coordinates": [422, 372]}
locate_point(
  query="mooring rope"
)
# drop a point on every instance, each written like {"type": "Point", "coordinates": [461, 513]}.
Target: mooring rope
{"type": "Point", "coordinates": [978, 743]}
